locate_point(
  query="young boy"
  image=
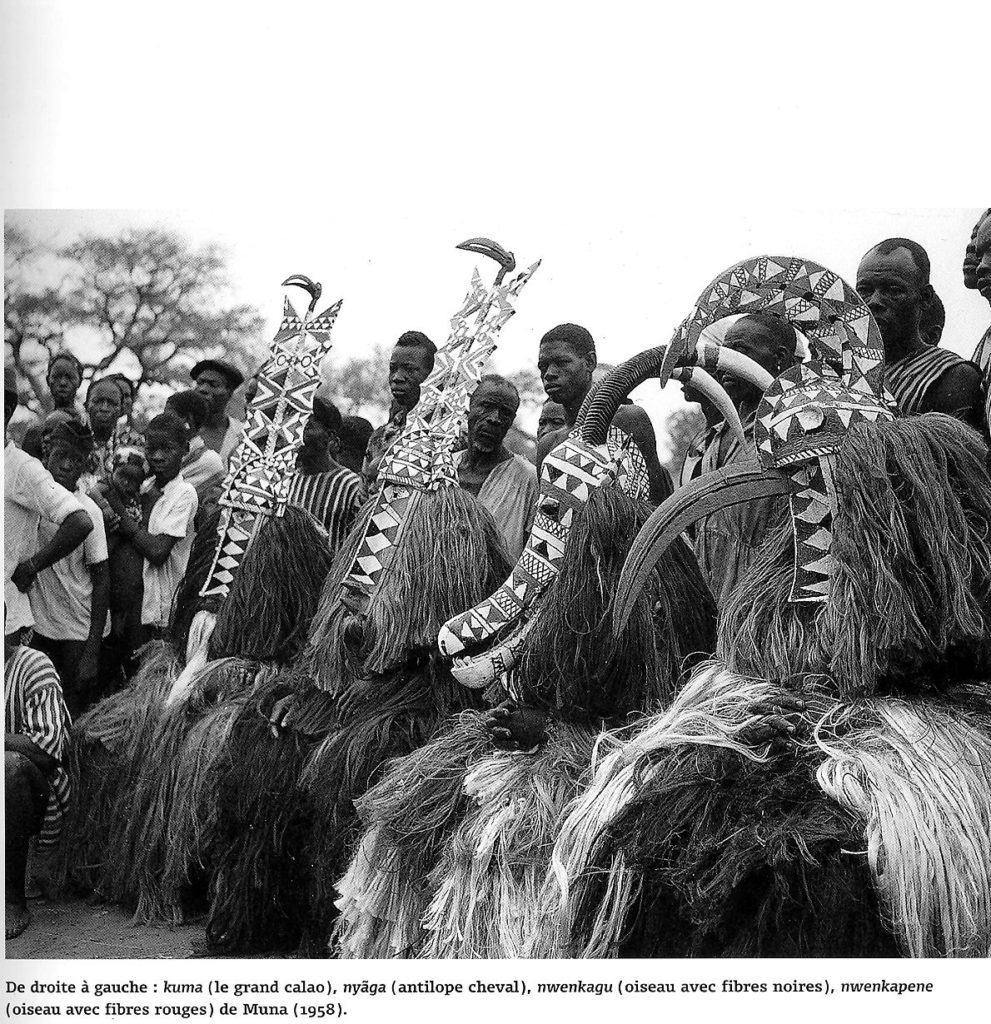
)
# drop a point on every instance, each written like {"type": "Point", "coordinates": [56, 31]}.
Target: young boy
{"type": "Point", "coordinates": [129, 470]}
{"type": "Point", "coordinates": [69, 599]}
{"type": "Point", "coordinates": [167, 539]}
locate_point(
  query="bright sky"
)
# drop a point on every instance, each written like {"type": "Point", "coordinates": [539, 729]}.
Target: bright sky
{"type": "Point", "coordinates": [637, 156]}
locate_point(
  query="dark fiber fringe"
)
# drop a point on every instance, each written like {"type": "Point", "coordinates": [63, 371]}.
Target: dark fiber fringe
{"type": "Point", "coordinates": [146, 837]}
{"type": "Point", "coordinates": [573, 665]}
{"type": "Point", "coordinates": [450, 557]}
{"type": "Point", "coordinates": [420, 799]}
{"type": "Point", "coordinates": [261, 880]}
{"type": "Point", "coordinates": [912, 591]}
{"type": "Point", "coordinates": [741, 859]}
{"type": "Point", "coordinates": [109, 745]}
{"type": "Point", "coordinates": [275, 593]}
{"type": "Point", "coordinates": [391, 717]}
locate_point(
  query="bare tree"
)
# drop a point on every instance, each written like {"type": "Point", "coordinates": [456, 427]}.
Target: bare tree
{"type": "Point", "coordinates": [32, 313]}
{"type": "Point", "coordinates": [360, 384]}
{"type": "Point", "coordinates": [680, 427]}
{"type": "Point", "coordinates": [150, 294]}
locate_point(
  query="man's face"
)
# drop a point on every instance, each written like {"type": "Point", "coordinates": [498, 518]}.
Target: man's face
{"type": "Point", "coordinates": [164, 453]}
{"type": "Point", "coordinates": [215, 388]}
{"type": "Point", "coordinates": [982, 253]}
{"type": "Point", "coordinates": [103, 405]}
{"type": "Point", "coordinates": [63, 382]}
{"type": "Point", "coordinates": [66, 464]}
{"type": "Point", "coordinates": [753, 339]}
{"type": "Point", "coordinates": [890, 286]}
{"type": "Point", "coordinates": [566, 376]}
{"type": "Point", "coordinates": [551, 419]}
{"type": "Point", "coordinates": [490, 415]}
{"type": "Point", "coordinates": [408, 369]}
{"type": "Point", "coordinates": [316, 437]}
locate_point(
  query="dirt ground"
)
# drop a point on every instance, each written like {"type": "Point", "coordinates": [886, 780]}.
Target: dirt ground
{"type": "Point", "coordinates": [73, 930]}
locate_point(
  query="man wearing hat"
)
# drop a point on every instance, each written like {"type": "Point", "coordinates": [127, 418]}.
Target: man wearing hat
{"type": "Point", "coordinates": [30, 494]}
{"type": "Point", "coordinates": [216, 381]}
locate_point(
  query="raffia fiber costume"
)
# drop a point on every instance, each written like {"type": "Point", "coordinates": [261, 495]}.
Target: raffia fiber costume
{"type": "Point", "coordinates": [146, 754]}
{"type": "Point", "coordinates": [369, 686]}
{"type": "Point", "coordinates": [871, 834]}
{"type": "Point", "coordinates": [458, 835]}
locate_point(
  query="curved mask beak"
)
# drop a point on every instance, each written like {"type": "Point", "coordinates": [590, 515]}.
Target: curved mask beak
{"type": "Point", "coordinates": [720, 489]}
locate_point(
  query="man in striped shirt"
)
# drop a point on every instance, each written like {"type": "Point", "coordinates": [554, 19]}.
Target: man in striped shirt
{"type": "Point", "coordinates": [893, 279]}
{"type": "Point", "coordinates": [320, 485]}
{"type": "Point", "coordinates": [36, 785]}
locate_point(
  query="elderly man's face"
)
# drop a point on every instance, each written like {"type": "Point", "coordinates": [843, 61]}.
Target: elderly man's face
{"type": "Point", "coordinates": [890, 286]}
{"type": "Point", "coordinates": [490, 415]}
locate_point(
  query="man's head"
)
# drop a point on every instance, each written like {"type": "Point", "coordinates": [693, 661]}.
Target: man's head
{"type": "Point", "coordinates": [769, 340]}
{"type": "Point", "coordinates": [566, 360]}
{"type": "Point", "coordinates": [166, 443]}
{"type": "Point", "coordinates": [65, 375]}
{"type": "Point", "coordinates": [410, 364]}
{"type": "Point", "coordinates": [67, 446]}
{"type": "Point", "coordinates": [190, 406]}
{"type": "Point", "coordinates": [104, 404]}
{"type": "Point", "coordinates": [491, 411]}
{"type": "Point", "coordinates": [355, 432]}
{"type": "Point", "coordinates": [982, 255]}
{"type": "Point", "coordinates": [551, 418]}
{"type": "Point", "coordinates": [322, 433]}
{"type": "Point", "coordinates": [216, 381]}
{"type": "Point", "coordinates": [893, 280]}
{"type": "Point", "coordinates": [970, 259]}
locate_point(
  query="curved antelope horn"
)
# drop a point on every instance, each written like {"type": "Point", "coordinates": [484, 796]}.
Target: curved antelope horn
{"type": "Point", "coordinates": [703, 382]}
{"type": "Point", "coordinates": [720, 359]}
{"type": "Point", "coordinates": [313, 288]}
{"type": "Point", "coordinates": [616, 386]}
{"type": "Point", "coordinates": [720, 489]}
{"type": "Point", "coordinates": [487, 247]}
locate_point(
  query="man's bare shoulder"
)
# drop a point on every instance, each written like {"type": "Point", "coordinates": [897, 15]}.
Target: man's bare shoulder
{"type": "Point", "coordinates": [635, 421]}
{"type": "Point", "coordinates": [958, 392]}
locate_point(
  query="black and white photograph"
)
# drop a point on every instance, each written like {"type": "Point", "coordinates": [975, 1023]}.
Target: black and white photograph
{"type": "Point", "coordinates": [519, 493]}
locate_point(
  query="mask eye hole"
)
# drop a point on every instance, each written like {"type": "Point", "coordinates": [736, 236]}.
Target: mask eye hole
{"type": "Point", "coordinates": [550, 506]}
